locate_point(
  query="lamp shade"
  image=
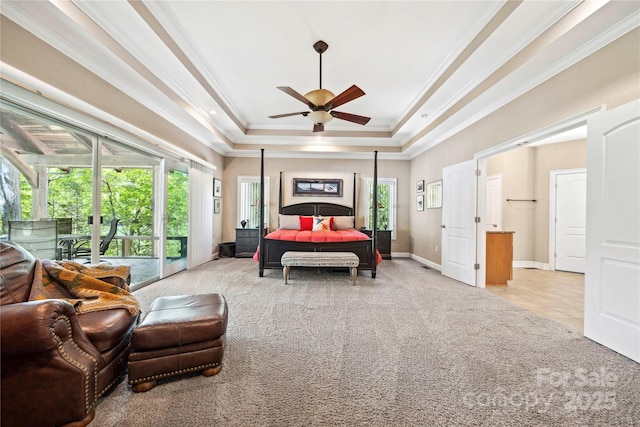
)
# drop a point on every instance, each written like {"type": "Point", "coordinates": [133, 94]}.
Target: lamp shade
{"type": "Point", "coordinates": [320, 117]}
{"type": "Point", "coordinates": [319, 97]}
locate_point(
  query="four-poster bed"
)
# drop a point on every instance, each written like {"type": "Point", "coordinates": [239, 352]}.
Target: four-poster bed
{"type": "Point", "coordinates": [275, 244]}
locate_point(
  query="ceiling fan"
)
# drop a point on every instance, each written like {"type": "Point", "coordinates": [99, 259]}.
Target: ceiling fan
{"type": "Point", "coordinates": [322, 102]}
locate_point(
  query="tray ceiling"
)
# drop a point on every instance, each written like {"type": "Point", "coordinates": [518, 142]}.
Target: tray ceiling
{"type": "Point", "coordinates": [429, 68]}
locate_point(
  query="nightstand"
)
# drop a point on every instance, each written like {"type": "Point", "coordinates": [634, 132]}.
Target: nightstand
{"type": "Point", "coordinates": [383, 243]}
{"type": "Point", "coordinates": [247, 241]}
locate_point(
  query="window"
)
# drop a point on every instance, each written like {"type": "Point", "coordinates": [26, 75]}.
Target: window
{"type": "Point", "coordinates": [249, 201]}
{"type": "Point", "coordinates": [58, 178]}
{"type": "Point", "coordinates": [386, 205]}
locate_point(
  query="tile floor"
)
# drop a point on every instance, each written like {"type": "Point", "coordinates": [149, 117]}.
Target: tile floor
{"type": "Point", "coordinates": [557, 295]}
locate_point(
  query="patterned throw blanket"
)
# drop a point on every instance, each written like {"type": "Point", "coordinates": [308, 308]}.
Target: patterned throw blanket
{"type": "Point", "coordinates": [88, 288]}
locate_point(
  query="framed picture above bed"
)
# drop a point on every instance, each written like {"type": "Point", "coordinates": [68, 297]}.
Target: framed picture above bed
{"type": "Point", "coordinates": [317, 187]}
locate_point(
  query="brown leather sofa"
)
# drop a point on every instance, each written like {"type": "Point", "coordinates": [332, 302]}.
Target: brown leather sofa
{"type": "Point", "coordinates": [55, 363]}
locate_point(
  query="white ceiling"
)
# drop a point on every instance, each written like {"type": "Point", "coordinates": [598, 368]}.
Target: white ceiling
{"type": "Point", "coordinates": [429, 68]}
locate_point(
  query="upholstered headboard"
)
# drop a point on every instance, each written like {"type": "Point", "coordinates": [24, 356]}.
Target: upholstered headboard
{"type": "Point", "coordinates": [317, 208]}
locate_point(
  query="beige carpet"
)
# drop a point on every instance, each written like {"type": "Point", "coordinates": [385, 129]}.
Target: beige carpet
{"type": "Point", "coordinates": [409, 348]}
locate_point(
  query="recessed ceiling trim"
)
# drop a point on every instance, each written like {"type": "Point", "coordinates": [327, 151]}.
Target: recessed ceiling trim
{"type": "Point", "coordinates": [159, 30]}
{"type": "Point", "coordinates": [501, 60]}
{"type": "Point", "coordinates": [494, 23]}
{"type": "Point", "coordinates": [564, 63]}
{"type": "Point", "coordinates": [564, 25]}
{"type": "Point", "coordinates": [318, 148]}
{"type": "Point", "coordinates": [85, 21]}
{"type": "Point", "coordinates": [326, 133]}
{"type": "Point", "coordinates": [368, 155]}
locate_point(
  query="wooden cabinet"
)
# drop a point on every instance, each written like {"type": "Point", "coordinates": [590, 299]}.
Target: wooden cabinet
{"type": "Point", "coordinates": [499, 257]}
{"type": "Point", "coordinates": [247, 241]}
{"type": "Point", "coordinates": [384, 242]}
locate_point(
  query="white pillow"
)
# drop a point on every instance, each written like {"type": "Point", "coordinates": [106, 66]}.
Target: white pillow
{"type": "Point", "coordinates": [288, 222]}
{"type": "Point", "coordinates": [343, 222]}
{"type": "Point", "coordinates": [322, 223]}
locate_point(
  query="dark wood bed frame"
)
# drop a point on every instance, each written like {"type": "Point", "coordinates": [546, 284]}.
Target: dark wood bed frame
{"type": "Point", "coordinates": [271, 251]}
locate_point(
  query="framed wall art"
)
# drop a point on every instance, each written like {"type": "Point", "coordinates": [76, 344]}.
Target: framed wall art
{"type": "Point", "coordinates": [317, 187]}
{"type": "Point", "coordinates": [420, 186]}
{"type": "Point", "coordinates": [217, 188]}
{"type": "Point", "coordinates": [420, 202]}
{"type": "Point", "coordinates": [216, 206]}
{"type": "Point", "coordinates": [434, 195]}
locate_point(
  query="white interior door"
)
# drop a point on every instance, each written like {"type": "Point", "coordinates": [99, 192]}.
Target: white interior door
{"type": "Point", "coordinates": [458, 222]}
{"type": "Point", "coordinates": [493, 215]}
{"type": "Point", "coordinates": [612, 278]}
{"type": "Point", "coordinates": [571, 221]}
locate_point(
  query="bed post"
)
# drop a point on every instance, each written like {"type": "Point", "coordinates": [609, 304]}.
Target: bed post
{"type": "Point", "coordinates": [354, 196]}
{"type": "Point", "coordinates": [374, 232]}
{"type": "Point", "coordinates": [280, 194]}
{"type": "Point", "coordinates": [261, 225]}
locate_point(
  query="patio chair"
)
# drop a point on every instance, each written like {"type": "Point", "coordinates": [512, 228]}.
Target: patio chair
{"type": "Point", "coordinates": [38, 237]}
{"type": "Point", "coordinates": [84, 248]}
{"type": "Point", "coordinates": [65, 225]}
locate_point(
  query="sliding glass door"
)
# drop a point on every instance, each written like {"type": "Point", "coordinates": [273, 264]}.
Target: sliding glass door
{"type": "Point", "coordinates": [104, 195]}
{"type": "Point", "coordinates": [176, 219]}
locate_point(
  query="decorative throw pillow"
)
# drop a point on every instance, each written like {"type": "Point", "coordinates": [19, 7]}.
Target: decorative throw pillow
{"type": "Point", "coordinates": [343, 222]}
{"type": "Point", "coordinates": [289, 222]}
{"type": "Point", "coordinates": [306, 223]}
{"type": "Point", "coordinates": [322, 223]}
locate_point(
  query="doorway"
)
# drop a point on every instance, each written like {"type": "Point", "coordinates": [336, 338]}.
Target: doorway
{"type": "Point", "coordinates": [493, 212]}
{"type": "Point", "coordinates": [559, 148]}
{"type": "Point", "coordinates": [568, 220]}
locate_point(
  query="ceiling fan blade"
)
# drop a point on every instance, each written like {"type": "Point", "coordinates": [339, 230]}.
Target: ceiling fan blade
{"type": "Point", "coordinates": [277, 116]}
{"type": "Point", "coordinates": [296, 95]}
{"type": "Point", "coordinates": [318, 127]}
{"type": "Point", "coordinates": [361, 120]}
{"type": "Point", "coordinates": [348, 95]}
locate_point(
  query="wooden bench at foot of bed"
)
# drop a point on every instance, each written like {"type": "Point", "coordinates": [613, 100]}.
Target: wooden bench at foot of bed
{"type": "Point", "coordinates": [319, 259]}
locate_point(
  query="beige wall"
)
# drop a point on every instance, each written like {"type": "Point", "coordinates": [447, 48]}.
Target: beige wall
{"type": "Point", "coordinates": [608, 77]}
{"type": "Point", "coordinates": [525, 175]}
{"type": "Point", "coordinates": [315, 168]}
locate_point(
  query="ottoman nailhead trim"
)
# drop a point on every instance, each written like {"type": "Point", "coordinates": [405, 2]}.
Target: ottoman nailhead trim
{"type": "Point", "coordinates": [178, 372]}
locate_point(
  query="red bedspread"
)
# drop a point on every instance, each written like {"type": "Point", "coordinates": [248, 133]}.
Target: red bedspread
{"type": "Point", "coordinates": [318, 237]}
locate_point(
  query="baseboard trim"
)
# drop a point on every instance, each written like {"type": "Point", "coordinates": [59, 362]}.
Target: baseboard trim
{"type": "Point", "coordinates": [531, 264]}
{"type": "Point", "coordinates": [426, 262]}
{"type": "Point", "coordinates": [400, 255]}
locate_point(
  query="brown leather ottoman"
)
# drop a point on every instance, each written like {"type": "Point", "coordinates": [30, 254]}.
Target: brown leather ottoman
{"type": "Point", "coordinates": [180, 334]}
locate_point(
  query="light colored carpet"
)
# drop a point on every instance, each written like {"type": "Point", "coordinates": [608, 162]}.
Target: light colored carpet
{"type": "Point", "coordinates": [409, 348]}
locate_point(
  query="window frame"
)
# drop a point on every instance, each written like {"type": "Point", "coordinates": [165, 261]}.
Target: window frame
{"type": "Point", "coordinates": [393, 195]}
{"type": "Point", "coordinates": [239, 209]}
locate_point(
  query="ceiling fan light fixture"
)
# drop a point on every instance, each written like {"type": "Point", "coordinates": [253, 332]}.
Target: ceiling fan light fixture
{"type": "Point", "coordinates": [319, 96]}
{"type": "Point", "coordinates": [322, 102]}
{"type": "Point", "coordinates": [320, 117]}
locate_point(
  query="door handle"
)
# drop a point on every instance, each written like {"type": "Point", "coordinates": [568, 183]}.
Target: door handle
{"type": "Point", "coordinates": [443, 226]}
{"type": "Point", "coordinates": [495, 225]}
